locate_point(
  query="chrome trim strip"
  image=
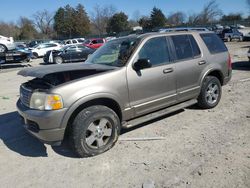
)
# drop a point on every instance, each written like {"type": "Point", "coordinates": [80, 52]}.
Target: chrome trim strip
{"type": "Point", "coordinates": [149, 102]}
{"type": "Point", "coordinates": [185, 91]}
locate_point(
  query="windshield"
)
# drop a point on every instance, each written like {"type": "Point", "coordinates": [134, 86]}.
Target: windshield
{"type": "Point", "coordinates": [115, 52]}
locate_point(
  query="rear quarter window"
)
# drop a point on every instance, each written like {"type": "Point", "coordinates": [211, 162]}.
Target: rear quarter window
{"type": "Point", "coordinates": [213, 43]}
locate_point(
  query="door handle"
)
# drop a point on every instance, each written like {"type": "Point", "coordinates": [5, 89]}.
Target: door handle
{"type": "Point", "coordinates": [168, 70]}
{"type": "Point", "coordinates": [202, 62]}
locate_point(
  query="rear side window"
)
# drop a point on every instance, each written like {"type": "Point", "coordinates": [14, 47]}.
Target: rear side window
{"type": "Point", "coordinates": [182, 46]}
{"type": "Point", "coordinates": [213, 43]}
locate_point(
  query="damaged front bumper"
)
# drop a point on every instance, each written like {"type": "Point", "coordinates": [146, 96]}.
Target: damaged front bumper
{"type": "Point", "coordinates": [45, 125]}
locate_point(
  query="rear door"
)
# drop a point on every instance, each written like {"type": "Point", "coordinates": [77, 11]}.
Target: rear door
{"type": "Point", "coordinates": [189, 64]}
{"type": "Point", "coordinates": [152, 88]}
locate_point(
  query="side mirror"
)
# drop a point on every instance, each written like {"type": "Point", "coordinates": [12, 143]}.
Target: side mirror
{"type": "Point", "coordinates": [142, 64]}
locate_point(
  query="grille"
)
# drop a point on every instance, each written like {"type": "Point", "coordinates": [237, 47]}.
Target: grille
{"type": "Point", "coordinates": [25, 95]}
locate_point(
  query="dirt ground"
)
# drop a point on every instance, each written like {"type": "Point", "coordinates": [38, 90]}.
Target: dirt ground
{"type": "Point", "coordinates": [201, 148]}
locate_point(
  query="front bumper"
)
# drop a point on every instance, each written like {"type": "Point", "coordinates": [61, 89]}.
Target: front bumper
{"type": "Point", "coordinates": [45, 125]}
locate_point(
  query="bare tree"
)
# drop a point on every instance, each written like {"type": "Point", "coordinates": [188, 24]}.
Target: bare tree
{"type": "Point", "coordinates": [43, 20]}
{"type": "Point", "coordinates": [193, 19]}
{"type": "Point", "coordinates": [177, 18]}
{"type": "Point", "coordinates": [210, 12]}
{"type": "Point", "coordinates": [101, 16]}
{"type": "Point", "coordinates": [9, 30]}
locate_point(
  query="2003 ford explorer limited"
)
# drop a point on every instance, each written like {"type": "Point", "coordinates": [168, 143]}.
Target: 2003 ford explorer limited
{"type": "Point", "coordinates": [126, 82]}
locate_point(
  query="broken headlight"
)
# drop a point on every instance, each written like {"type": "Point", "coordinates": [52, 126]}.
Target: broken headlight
{"type": "Point", "coordinates": [43, 101]}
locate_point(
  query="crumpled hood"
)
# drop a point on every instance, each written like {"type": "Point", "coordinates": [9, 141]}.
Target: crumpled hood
{"type": "Point", "coordinates": [41, 71]}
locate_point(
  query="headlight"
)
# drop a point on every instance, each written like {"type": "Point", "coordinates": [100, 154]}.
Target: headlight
{"type": "Point", "coordinates": [43, 101]}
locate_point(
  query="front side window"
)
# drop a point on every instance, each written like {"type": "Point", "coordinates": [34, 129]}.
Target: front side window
{"type": "Point", "coordinates": [156, 50]}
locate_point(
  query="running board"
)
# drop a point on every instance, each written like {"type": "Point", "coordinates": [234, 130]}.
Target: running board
{"type": "Point", "coordinates": [157, 114]}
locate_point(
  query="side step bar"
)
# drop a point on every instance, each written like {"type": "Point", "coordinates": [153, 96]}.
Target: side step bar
{"type": "Point", "coordinates": [154, 115]}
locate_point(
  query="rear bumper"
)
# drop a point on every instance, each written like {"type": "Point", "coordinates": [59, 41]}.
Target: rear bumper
{"type": "Point", "coordinates": [44, 125]}
{"type": "Point", "coordinates": [228, 78]}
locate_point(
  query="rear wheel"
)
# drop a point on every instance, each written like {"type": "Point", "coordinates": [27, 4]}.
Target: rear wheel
{"type": "Point", "coordinates": [58, 60]}
{"type": "Point", "coordinates": [94, 130]}
{"type": "Point", "coordinates": [210, 94]}
{"type": "Point", "coordinates": [3, 48]}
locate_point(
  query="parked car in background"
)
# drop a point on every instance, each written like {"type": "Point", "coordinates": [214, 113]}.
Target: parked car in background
{"type": "Point", "coordinates": [68, 54]}
{"type": "Point", "coordinates": [33, 43]}
{"type": "Point", "coordinates": [94, 43]}
{"type": "Point", "coordinates": [239, 26]}
{"type": "Point", "coordinates": [231, 34]}
{"type": "Point", "coordinates": [16, 55]}
{"type": "Point", "coordinates": [74, 41]}
{"type": "Point", "coordinates": [129, 81]}
{"type": "Point", "coordinates": [6, 43]}
{"type": "Point", "coordinates": [41, 49]}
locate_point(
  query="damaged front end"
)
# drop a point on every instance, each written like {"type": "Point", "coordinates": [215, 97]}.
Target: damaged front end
{"type": "Point", "coordinates": [36, 94]}
{"type": "Point", "coordinates": [41, 109]}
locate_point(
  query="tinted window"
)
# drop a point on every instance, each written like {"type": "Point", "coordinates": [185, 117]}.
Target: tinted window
{"type": "Point", "coordinates": [156, 50]}
{"type": "Point", "coordinates": [183, 47]}
{"type": "Point", "coordinates": [100, 41]}
{"type": "Point", "coordinates": [195, 47]}
{"type": "Point", "coordinates": [213, 43]}
{"type": "Point", "coordinates": [74, 41]}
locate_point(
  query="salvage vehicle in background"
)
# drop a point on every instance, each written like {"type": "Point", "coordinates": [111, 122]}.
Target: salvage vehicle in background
{"type": "Point", "coordinates": [15, 56]}
{"type": "Point", "coordinates": [129, 81]}
{"type": "Point", "coordinates": [6, 43]}
{"type": "Point", "coordinates": [41, 49]}
{"type": "Point", "coordinates": [94, 43]}
{"type": "Point", "coordinates": [74, 41]}
{"type": "Point", "coordinates": [68, 54]}
{"type": "Point", "coordinates": [231, 34]}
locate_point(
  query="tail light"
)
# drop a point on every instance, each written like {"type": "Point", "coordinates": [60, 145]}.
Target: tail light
{"type": "Point", "coordinates": [229, 62]}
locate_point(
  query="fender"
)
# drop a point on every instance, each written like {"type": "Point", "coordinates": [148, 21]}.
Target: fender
{"type": "Point", "coordinates": [85, 99]}
{"type": "Point", "coordinates": [208, 72]}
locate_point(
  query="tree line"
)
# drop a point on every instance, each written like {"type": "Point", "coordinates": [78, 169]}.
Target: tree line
{"type": "Point", "coordinates": [69, 22]}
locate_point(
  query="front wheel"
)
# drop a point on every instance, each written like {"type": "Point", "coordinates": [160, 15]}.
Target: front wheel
{"type": "Point", "coordinates": [210, 94]}
{"type": "Point", "coordinates": [58, 60]}
{"type": "Point", "coordinates": [3, 48]}
{"type": "Point", "coordinates": [94, 130]}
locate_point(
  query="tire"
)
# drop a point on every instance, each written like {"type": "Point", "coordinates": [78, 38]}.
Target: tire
{"type": "Point", "coordinates": [35, 55]}
{"type": "Point", "coordinates": [3, 48]}
{"type": "Point", "coordinates": [94, 130]}
{"type": "Point", "coordinates": [58, 60]}
{"type": "Point", "coordinates": [210, 94]}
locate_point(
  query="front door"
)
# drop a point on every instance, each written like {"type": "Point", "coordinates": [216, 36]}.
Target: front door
{"type": "Point", "coordinates": [152, 88]}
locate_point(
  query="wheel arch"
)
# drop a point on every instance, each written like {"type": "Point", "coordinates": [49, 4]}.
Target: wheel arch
{"type": "Point", "coordinates": [214, 72]}
{"type": "Point", "coordinates": [75, 109]}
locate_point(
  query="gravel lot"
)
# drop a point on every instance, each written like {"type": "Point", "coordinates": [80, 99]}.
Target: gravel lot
{"type": "Point", "coordinates": [202, 148]}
